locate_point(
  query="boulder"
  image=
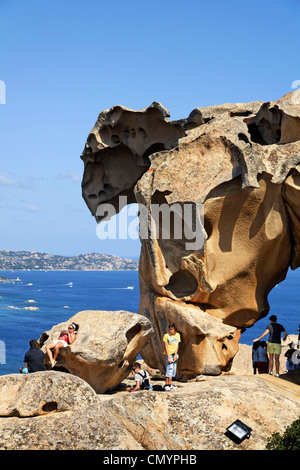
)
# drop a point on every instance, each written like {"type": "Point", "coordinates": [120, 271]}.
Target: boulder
{"type": "Point", "coordinates": [196, 416]}
{"type": "Point", "coordinates": [57, 411]}
{"type": "Point", "coordinates": [218, 197]}
{"type": "Point", "coordinates": [106, 346]}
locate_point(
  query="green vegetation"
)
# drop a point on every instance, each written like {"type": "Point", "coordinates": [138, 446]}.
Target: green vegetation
{"type": "Point", "coordinates": [289, 440]}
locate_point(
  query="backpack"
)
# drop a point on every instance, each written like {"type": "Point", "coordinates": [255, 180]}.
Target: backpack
{"type": "Point", "coordinates": [145, 383]}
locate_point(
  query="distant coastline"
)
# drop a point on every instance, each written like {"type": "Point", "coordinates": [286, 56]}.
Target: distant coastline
{"type": "Point", "coordinates": [39, 261]}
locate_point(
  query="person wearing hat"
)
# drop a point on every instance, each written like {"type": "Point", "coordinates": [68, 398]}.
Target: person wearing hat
{"type": "Point", "coordinates": [274, 329]}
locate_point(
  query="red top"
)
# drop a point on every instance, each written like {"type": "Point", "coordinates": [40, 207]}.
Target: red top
{"type": "Point", "coordinates": [64, 337]}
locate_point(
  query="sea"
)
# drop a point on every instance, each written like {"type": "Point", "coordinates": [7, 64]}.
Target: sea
{"type": "Point", "coordinates": [59, 295]}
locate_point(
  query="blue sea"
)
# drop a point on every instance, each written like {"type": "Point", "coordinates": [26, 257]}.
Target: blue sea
{"type": "Point", "coordinates": [59, 295]}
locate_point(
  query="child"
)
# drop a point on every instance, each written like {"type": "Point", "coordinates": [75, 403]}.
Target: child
{"type": "Point", "coordinates": [263, 361]}
{"type": "Point", "coordinates": [171, 343]}
{"type": "Point", "coordinates": [255, 356]}
{"type": "Point", "coordinates": [142, 379]}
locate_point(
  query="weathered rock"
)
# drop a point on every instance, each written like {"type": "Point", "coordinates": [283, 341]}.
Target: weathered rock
{"type": "Point", "coordinates": [56, 411]}
{"type": "Point", "coordinates": [238, 164]}
{"type": "Point", "coordinates": [106, 346]}
{"type": "Point", "coordinates": [196, 416]}
{"type": "Point", "coordinates": [124, 139]}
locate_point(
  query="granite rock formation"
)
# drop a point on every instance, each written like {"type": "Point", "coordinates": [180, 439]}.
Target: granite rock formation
{"type": "Point", "coordinates": [235, 168]}
{"type": "Point", "coordinates": [106, 346]}
{"type": "Point", "coordinates": [40, 411]}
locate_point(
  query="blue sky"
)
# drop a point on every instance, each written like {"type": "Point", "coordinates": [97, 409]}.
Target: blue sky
{"type": "Point", "coordinates": [64, 61]}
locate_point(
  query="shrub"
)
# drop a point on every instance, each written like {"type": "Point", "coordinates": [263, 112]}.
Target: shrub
{"type": "Point", "coordinates": [290, 440]}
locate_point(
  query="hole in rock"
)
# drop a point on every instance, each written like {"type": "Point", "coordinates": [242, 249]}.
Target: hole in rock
{"type": "Point", "coordinates": [115, 139]}
{"type": "Point", "coordinates": [107, 187]}
{"type": "Point", "coordinates": [256, 134]}
{"type": "Point", "coordinates": [265, 127]}
{"type": "Point", "coordinates": [240, 113]}
{"type": "Point", "coordinates": [50, 406]}
{"type": "Point", "coordinates": [132, 332]}
{"type": "Point", "coordinates": [243, 137]}
{"type": "Point", "coordinates": [142, 133]}
{"type": "Point", "coordinates": [102, 196]}
{"type": "Point", "coordinates": [158, 147]}
{"type": "Point", "coordinates": [182, 284]}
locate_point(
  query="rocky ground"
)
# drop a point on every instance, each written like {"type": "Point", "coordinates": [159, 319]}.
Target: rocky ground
{"type": "Point", "coordinates": [53, 410]}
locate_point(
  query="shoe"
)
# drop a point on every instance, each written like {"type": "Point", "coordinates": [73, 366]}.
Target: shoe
{"type": "Point", "coordinates": [271, 372]}
{"type": "Point", "coordinates": [276, 375]}
{"type": "Point", "coordinates": [167, 388]}
{"type": "Point", "coordinates": [173, 387]}
{"type": "Point", "coordinates": [53, 364]}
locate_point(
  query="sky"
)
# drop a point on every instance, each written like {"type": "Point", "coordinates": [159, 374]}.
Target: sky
{"type": "Point", "coordinates": [62, 62]}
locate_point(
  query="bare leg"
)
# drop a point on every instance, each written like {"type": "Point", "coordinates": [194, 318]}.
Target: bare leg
{"type": "Point", "coordinates": [271, 361]}
{"type": "Point", "coordinates": [56, 350]}
{"type": "Point", "coordinates": [49, 352]}
{"type": "Point", "coordinates": [277, 363]}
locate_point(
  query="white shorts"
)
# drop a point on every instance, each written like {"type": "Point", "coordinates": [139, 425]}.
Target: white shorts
{"type": "Point", "coordinates": [65, 344]}
{"type": "Point", "coordinates": [170, 368]}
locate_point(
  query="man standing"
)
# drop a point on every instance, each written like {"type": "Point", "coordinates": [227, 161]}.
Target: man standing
{"type": "Point", "coordinates": [34, 359]}
{"type": "Point", "coordinates": [274, 344]}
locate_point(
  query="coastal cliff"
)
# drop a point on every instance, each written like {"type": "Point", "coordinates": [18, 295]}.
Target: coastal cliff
{"type": "Point", "coordinates": [37, 261]}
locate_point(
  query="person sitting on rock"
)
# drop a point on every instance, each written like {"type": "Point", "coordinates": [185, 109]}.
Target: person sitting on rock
{"type": "Point", "coordinates": [66, 337]}
{"type": "Point", "coordinates": [142, 379]}
{"type": "Point", "coordinates": [33, 360]}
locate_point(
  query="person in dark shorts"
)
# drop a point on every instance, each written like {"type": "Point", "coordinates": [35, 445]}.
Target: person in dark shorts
{"type": "Point", "coordinates": [274, 330]}
{"type": "Point", "coordinates": [34, 359]}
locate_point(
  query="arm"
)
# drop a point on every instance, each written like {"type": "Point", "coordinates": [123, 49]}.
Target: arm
{"type": "Point", "coordinates": [137, 387]}
{"type": "Point", "coordinates": [176, 352]}
{"type": "Point", "coordinates": [285, 335]}
{"type": "Point", "coordinates": [261, 336]}
{"type": "Point", "coordinates": [167, 351]}
{"type": "Point", "coordinates": [71, 337]}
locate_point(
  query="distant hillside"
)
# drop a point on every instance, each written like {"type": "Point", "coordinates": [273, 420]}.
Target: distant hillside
{"type": "Point", "coordinates": [35, 261]}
